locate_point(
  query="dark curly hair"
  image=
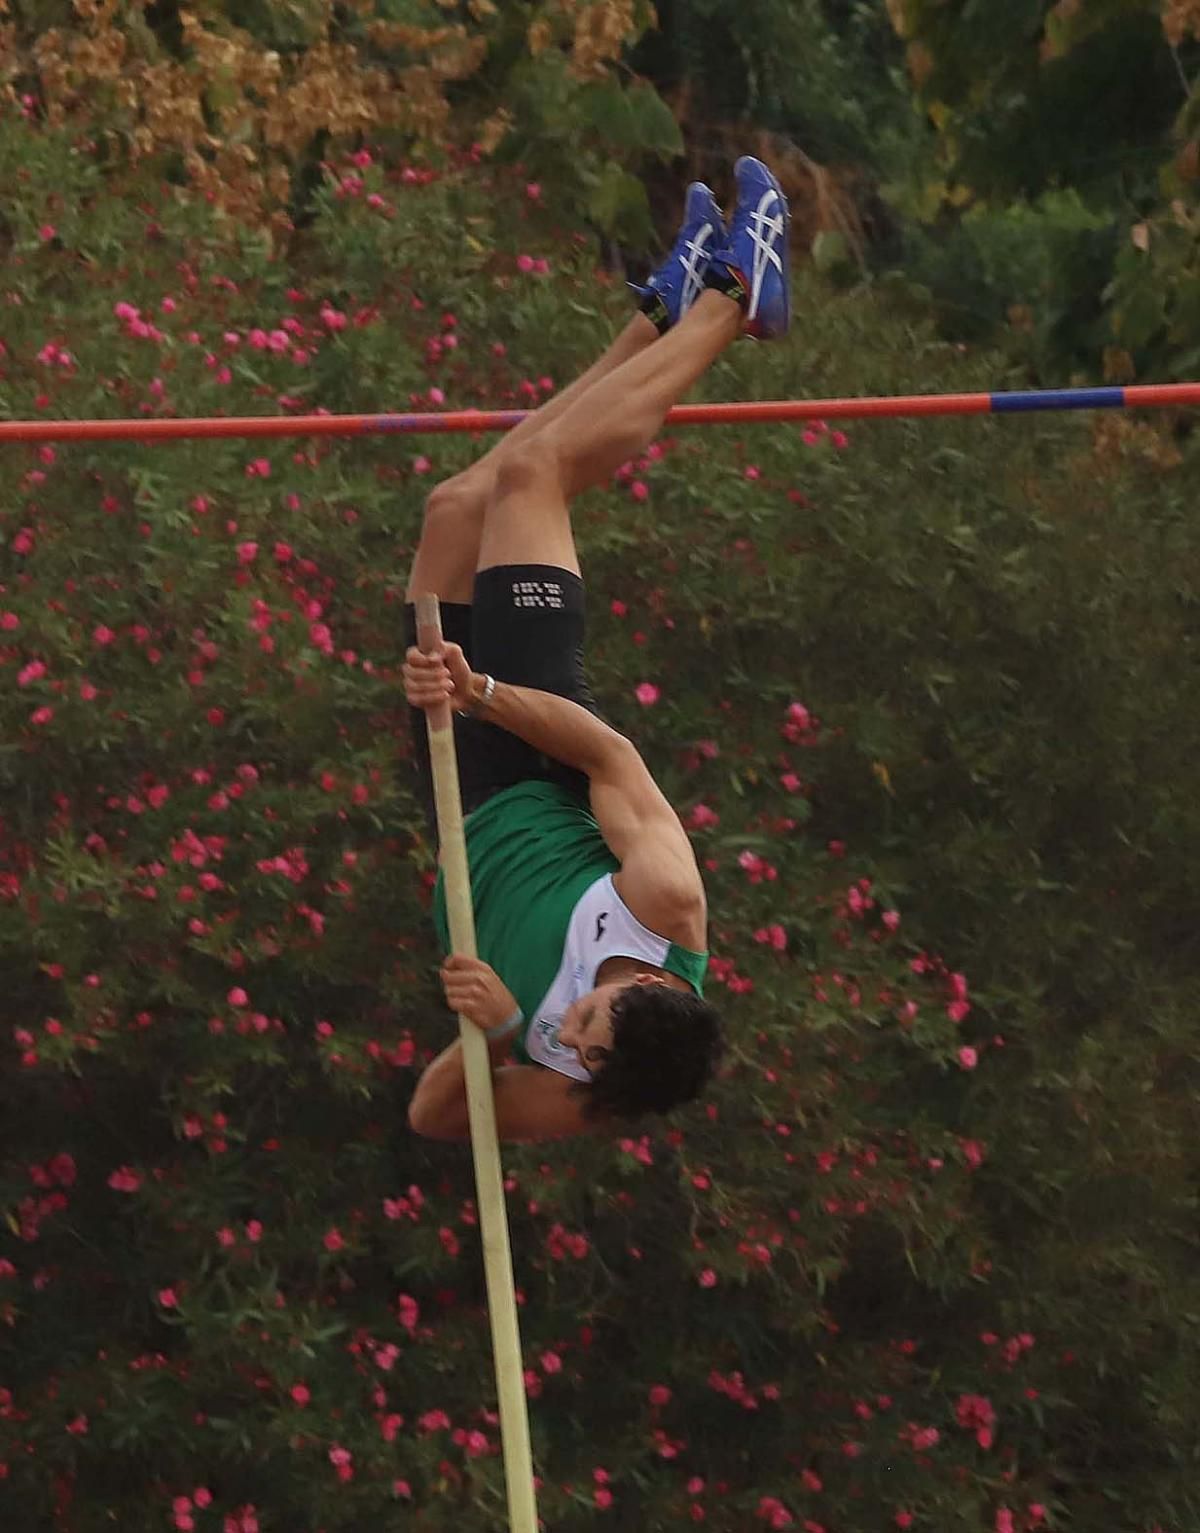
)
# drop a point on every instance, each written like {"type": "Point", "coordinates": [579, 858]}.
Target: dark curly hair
{"type": "Point", "coordinates": [667, 1045]}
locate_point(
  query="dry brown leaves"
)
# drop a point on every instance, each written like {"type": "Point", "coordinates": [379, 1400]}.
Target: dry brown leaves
{"type": "Point", "coordinates": [898, 16]}
{"type": "Point", "coordinates": [265, 111]}
{"type": "Point", "coordinates": [1179, 18]}
{"type": "Point", "coordinates": [601, 29]}
{"type": "Point", "coordinates": [1117, 439]}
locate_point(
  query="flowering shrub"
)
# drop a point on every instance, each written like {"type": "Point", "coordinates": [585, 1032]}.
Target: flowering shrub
{"type": "Point", "coordinates": [919, 692]}
{"type": "Point", "coordinates": [238, 100]}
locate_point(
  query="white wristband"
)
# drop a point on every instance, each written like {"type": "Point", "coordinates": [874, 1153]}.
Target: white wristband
{"type": "Point", "coordinates": [508, 1027]}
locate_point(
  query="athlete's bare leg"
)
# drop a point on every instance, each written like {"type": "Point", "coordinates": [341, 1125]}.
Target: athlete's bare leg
{"type": "Point", "coordinates": [448, 554]}
{"type": "Point", "coordinates": [528, 519]}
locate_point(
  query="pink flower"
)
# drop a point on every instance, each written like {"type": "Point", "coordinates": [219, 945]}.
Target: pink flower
{"type": "Point", "coordinates": [647, 694]}
{"type": "Point", "coordinates": [973, 1153]}
{"type": "Point", "coordinates": [422, 465]}
{"type": "Point", "coordinates": [708, 1278]}
{"type": "Point", "coordinates": [753, 472]}
{"type": "Point", "coordinates": [839, 439]}
{"type": "Point", "coordinates": [891, 919]}
{"type": "Point", "coordinates": [968, 1058]}
{"type": "Point", "coordinates": [168, 1298]}
{"type": "Point", "coordinates": [247, 553]}
{"type": "Point", "coordinates": [525, 263]}
{"type": "Point", "coordinates": [475, 1443]}
{"type": "Point", "coordinates": [237, 996]}
{"type": "Point", "coordinates": [47, 232]}
{"type": "Point", "coordinates": [103, 634]}
{"type": "Point", "coordinates": [1004, 1521]}
{"type": "Point", "coordinates": [757, 868]}
{"type": "Point", "coordinates": [957, 1010]}
{"type": "Point", "coordinates": [791, 782]}
{"type": "Point", "coordinates": [639, 490]}
{"type": "Point", "coordinates": [619, 609]}
{"type": "Point", "coordinates": [533, 190]}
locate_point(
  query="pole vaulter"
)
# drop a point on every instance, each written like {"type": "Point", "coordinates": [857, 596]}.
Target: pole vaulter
{"type": "Point", "coordinates": [561, 861]}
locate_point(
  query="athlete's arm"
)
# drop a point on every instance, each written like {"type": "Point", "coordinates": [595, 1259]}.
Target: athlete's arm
{"type": "Point", "coordinates": [532, 1103]}
{"type": "Point", "coordinates": [553, 725]}
{"type": "Point", "coordinates": [658, 865]}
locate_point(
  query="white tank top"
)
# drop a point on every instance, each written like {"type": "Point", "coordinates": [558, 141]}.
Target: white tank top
{"type": "Point", "coordinates": [602, 926]}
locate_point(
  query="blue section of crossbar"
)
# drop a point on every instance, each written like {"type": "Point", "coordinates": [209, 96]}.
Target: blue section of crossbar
{"type": "Point", "coordinates": [1058, 399]}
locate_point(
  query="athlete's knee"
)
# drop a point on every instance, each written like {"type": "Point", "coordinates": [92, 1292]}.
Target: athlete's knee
{"type": "Point", "coordinates": [452, 501]}
{"type": "Point", "coordinates": [529, 468]}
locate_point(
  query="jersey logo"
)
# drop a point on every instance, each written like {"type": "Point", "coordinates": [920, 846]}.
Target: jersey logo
{"type": "Point", "coordinates": [600, 920]}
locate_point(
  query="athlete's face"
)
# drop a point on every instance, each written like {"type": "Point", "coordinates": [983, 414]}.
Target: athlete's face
{"type": "Point", "coordinates": [587, 1027]}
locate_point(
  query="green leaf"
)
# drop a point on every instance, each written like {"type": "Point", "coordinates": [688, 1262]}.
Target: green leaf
{"type": "Point", "coordinates": [618, 203]}
{"type": "Point", "coordinates": [830, 251]}
{"type": "Point", "coordinates": [1142, 314]}
{"type": "Point", "coordinates": [606, 109]}
{"type": "Point", "coordinates": [654, 123]}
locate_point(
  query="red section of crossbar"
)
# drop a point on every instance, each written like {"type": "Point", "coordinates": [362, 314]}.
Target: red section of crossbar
{"type": "Point", "coordinates": [747, 414]}
{"type": "Point", "coordinates": [1138, 395]}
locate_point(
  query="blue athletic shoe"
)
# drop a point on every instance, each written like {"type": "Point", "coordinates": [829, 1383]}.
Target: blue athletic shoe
{"type": "Point", "coordinates": [676, 285]}
{"type": "Point", "coordinates": [754, 259]}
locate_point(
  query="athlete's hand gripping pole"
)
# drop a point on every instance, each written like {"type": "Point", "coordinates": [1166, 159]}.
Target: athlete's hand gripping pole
{"type": "Point", "coordinates": [481, 1108]}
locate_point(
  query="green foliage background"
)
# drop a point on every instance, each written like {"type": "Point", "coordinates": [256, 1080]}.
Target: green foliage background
{"type": "Point", "coordinates": [873, 1282]}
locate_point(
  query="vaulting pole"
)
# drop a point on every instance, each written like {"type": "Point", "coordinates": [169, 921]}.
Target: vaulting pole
{"type": "Point", "coordinates": [1143, 397]}
{"type": "Point", "coordinates": [481, 1108]}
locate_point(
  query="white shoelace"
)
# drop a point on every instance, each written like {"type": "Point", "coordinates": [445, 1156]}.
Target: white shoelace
{"type": "Point", "coordinates": [693, 259]}
{"type": "Point", "coordinates": [764, 231]}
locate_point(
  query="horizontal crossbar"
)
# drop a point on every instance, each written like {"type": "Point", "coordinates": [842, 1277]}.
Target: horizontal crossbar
{"type": "Point", "coordinates": [1146, 396]}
